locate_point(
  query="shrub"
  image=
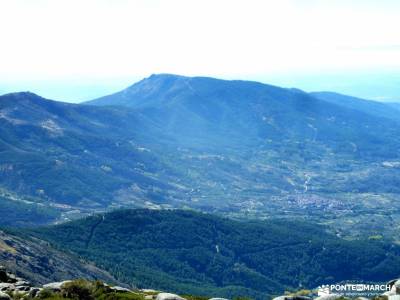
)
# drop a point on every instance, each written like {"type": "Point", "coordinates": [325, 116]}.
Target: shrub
{"type": "Point", "coordinates": [78, 289]}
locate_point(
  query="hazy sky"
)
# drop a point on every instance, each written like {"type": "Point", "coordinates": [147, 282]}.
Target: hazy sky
{"type": "Point", "coordinates": [79, 49]}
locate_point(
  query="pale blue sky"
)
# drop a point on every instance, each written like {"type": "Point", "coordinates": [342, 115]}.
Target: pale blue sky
{"type": "Point", "coordinates": [75, 50]}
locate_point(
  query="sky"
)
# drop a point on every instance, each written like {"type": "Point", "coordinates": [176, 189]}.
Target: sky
{"type": "Point", "coordinates": [75, 50]}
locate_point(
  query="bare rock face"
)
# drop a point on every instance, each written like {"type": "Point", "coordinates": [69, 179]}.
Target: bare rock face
{"type": "Point", "coordinates": [34, 292]}
{"type": "Point", "coordinates": [120, 289]}
{"type": "Point", "coordinates": [22, 283]}
{"type": "Point", "coordinates": [55, 286]}
{"type": "Point", "coordinates": [4, 286]}
{"type": "Point", "coordinates": [34, 263]}
{"type": "Point", "coordinates": [168, 296]}
{"type": "Point", "coordinates": [9, 283]}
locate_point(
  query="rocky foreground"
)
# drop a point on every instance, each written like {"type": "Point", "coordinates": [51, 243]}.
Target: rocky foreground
{"type": "Point", "coordinates": [37, 261]}
{"type": "Point", "coordinates": [13, 287]}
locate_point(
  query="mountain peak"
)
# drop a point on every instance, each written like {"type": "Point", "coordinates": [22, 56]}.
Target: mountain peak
{"type": "Point", "coordinates": [25, 95]}
{"type": "Point", "coordinates": [159, 89]}
{"type": "Point", "coordinates": [165, 75]}
{"type": "Point", "coordinates": [159, 79]}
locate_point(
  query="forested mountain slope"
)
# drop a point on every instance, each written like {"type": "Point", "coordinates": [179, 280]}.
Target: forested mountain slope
{"type": "Point", "coordinates": [190, 252]}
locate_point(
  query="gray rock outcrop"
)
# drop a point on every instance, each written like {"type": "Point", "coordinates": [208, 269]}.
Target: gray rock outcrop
{"type": "Point", "coordinates": [55, 286]}
{"type": "Point", "coordinates": [120, 289]}
{"type": "Point", "coordinates": [168, 296]}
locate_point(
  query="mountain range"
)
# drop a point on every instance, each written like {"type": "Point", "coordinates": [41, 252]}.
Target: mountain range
{"type": "Point", "coordinates": [238, 148]}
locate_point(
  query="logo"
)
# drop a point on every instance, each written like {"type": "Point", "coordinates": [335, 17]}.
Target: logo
{"type": "Point", "coordinates": [323, 290]}
{"type": "Point", "coordinates": [353, 289]}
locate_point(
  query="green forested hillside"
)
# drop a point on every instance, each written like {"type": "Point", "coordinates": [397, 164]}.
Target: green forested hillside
{"type": "Point", "coordinates": [190, 252]}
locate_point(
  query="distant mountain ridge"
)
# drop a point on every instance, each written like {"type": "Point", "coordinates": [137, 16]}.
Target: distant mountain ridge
{"type": "Point", "coordinates": [164, 87]}
{"type": "Point", "coordinates": [206, 107]}
{"type": "Point", "coordinates": [380, 109]}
